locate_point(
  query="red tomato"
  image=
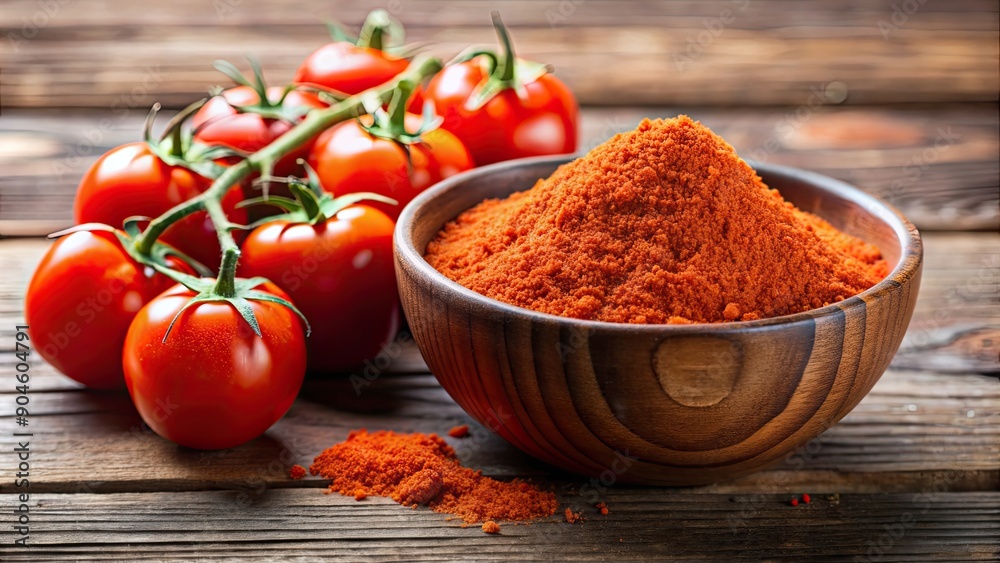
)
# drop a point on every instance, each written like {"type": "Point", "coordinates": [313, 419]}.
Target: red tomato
{"type": "Point", "coordinates": [219, 123]}
{"type": "Point", "coordinates": [348, 68]}
{"type": "Point", "coordinates": [82, 299]}
{"type": "Point", "coordinates": [132, 180]}
{"type": "Point", "coordinates": [340, 274]}
{"type": "Point", "coordinates": [213, 384]}
{"type": "Point", "coordinates": [348, 159]}
{"type": "Point", "coordinates": [543, 121]}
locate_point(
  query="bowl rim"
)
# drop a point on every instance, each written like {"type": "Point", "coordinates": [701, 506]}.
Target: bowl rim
{"type": "Point", "coordinates": [910, 258]}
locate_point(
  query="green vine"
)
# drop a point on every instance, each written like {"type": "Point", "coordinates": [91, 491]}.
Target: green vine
{"type": "Point", "coordinates": [226, 286]}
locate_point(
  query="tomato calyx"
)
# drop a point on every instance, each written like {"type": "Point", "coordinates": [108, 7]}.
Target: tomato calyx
{"type": "Point", "coordinates": [156, 259]}
{"type": "Point", "coordinates": [237, 292]}
{"type": "Point", "coordinates": [503, 71]}
{"type": "Point", "coordinates": [391, 125]}
{"type": "Point", "coordinates": [377, 26]}
{"type": "Point", "coordinates": [380, 32]}
{"type": "Point", "coordinates": [312, 205]}
{"type": "Point", "coordinates": [265, 106]}
{"type": "Point", "coordinates": [176, 146]}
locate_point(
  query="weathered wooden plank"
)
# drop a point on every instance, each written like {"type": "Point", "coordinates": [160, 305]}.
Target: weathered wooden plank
{"type": "Point", "coordinates": [449, 13]}
{"type": "Point", "coordinates": [283, 524]}
{"type": "Point", "coordinates": [654, 52]}
{"type": "Point", "coordinates": [915, 428]}
{"type": "Point", "coordinates": [937, 164]}
{"type": "Point", "coordinates": [910, 423]}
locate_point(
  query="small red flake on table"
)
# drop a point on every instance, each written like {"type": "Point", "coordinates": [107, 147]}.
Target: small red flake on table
{"type": "Point", "coordinates": [794, 502]}
{"type": "Point", "coordinates": [491, 527]}
{"type": "Point", "coordinates": [459, 431]}
{"type": "Point", "coordinates": [572, 517]}
{"type": "Point", "coordinates": [603, 507]}
{"type": "Point", "coordinates": [806, 498]}
{"type": "Point", "coordinates": [297, 472]}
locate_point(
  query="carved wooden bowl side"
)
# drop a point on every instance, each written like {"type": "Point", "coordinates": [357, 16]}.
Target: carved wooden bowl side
{"type": "Point", "coordinates": [655, 404]}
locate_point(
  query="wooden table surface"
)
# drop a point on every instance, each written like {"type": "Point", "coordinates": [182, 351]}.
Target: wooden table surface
{"type": "Point", "coordinates": [913, 472]}
{"type": "Point", "coordinates": [906, 112]}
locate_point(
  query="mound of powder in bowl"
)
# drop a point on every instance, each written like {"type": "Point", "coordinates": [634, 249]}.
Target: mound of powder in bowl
{"type": "Point", "coordinates": [663, 224]}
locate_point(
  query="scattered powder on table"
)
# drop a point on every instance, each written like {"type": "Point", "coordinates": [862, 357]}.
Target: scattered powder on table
{"type": "Point", "coordinates": [421, 469]}
{"type": "Point", "coordinates": [663, 224]}
{"type": "Point", "coordinates": [297, 472]}
{"type": "Point", "coordinates": [491, 527]}
{"type": "Point", "coordinates": [572, 517]}
{"type": "Point", "coordinates": [603, 508]}
{"type": "Point", "coordinates": [459, 431]}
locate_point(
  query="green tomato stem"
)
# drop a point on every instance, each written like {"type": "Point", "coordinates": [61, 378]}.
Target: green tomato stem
{"type": "Point", "coordinates": [507, 63]}
{"type": "Point", "coordinates": [225, 284]}
{"type": "Point", "coordinates": [176, 142]}
{"type": "Point", "coordinates": [314, 123]}
{"type": "Point", "coordinates": [397, 107]}
{"type": "Point", "coordinates": [373, 31]}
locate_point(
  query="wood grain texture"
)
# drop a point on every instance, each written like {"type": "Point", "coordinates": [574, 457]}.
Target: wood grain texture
{"type": "Point", "coordinates": [658, 404]}
{"type": "Point", "coordinates": [913, 430]}
{"type": "Point", "coordinates": [909, 448]}
{"type": "Point", "coordinates": [646, 523]}
{"type": "Point", "coordinates": [938, 164]}
{"type": "Point", "coordinates": [662, 52]}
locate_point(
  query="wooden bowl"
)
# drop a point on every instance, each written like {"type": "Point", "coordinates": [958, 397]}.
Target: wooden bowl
{"type": "Point", "coordinates": [656, 404]}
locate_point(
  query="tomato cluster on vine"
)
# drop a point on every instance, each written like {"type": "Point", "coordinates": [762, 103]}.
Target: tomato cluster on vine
{"type": "Point", "coordinates": [212, 267]}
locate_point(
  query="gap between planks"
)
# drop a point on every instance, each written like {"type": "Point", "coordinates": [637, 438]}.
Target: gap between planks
{"type": "Point", "coordinates": [642, 522]}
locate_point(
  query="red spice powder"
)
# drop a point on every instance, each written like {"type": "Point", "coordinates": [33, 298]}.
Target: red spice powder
{"type": "Point", "coordinates": [572, 517]}
{"type": "Point", "coordinates": [603, 508]}
{"type": "Point", "coordinates": [663, 224]}
{"type": "Point", "coordinates": [297, 472]}
{"type": "Point", "coordinates": [459, 431]}
{"type": "Point", "coordinates": [491, 527]}
{"type": "Point", "coordinates": [421, 469]}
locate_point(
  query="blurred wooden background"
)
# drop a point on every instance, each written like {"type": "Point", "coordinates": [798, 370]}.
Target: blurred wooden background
{"type": "Point", "coordinates": [616, 52]}
{"type": "Point", "coordinates": [814, 83]}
